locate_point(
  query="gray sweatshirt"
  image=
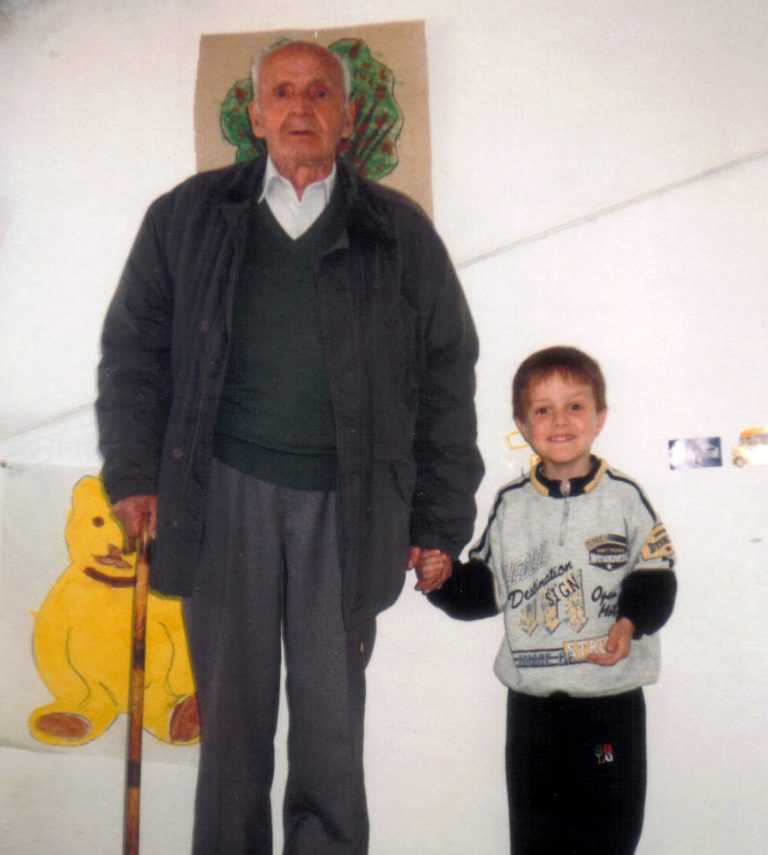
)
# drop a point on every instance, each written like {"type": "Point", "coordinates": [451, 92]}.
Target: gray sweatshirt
{"type": "Point", "coordinates": [567, 561]}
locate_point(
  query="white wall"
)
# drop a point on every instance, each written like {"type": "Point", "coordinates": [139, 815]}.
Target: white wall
{"type": "Point", "coordinates": [544, 114]}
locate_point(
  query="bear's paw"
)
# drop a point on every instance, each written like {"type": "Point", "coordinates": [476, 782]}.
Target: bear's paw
{"type": "Point", "coordinates": [185, 721]}
{"type": "Point", "coordinates": [64, 726]}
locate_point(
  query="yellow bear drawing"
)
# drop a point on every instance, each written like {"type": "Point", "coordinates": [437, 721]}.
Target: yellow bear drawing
{"type": "Point", "coordinates": [82, 639]}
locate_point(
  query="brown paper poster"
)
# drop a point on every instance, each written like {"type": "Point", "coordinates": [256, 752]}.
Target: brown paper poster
{"type": "Point", "coordinates": [391, 142]}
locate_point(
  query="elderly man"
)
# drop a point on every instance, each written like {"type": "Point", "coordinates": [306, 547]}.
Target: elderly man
{"type": "Point", "coordinates": [286, 400]}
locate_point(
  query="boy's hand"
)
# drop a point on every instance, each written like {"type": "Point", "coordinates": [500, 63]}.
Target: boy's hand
{"type": "Point", "coordinates": [432, 567]}
{"type": "Point", "coordinates": [618, 645]}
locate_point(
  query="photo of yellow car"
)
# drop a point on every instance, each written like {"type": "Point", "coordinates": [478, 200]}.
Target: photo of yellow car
{"type": "Point", "coordinates": [752, 448]}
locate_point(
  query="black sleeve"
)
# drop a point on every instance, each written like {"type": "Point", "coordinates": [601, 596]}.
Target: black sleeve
{"type": "Point", "coordinates": [647, 598]}
{"type": "Point", "coordinates": [134, 376]}
{"type": "Point", "coordinates": [469, 593]}
{"type": "Point", "coordinates": [449, 466]}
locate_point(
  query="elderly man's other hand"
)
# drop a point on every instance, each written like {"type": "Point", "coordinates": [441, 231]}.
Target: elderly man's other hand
{"type": "Point", "coordinates": [432, 567]}
{"type": "Point", "coordinates": [133, 512]}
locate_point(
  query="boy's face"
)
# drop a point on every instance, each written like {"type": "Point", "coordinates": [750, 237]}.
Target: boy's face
{"type": "Point", "coordinates": [561, 423]}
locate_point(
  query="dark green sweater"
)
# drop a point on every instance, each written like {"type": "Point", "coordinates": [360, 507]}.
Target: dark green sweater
{"type": "Point", "coordinates": [275, 418]}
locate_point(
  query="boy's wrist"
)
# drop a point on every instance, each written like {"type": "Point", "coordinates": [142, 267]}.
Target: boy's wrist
{"type": "Point", "coordinates": [630, 625]}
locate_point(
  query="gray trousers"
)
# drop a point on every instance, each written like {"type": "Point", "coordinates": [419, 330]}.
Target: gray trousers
{"type": "Point", "coordinates": [270, 568]}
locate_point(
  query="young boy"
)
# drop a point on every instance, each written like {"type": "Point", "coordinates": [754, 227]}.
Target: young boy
{"type": "Point", "coordinates": [581, 566]}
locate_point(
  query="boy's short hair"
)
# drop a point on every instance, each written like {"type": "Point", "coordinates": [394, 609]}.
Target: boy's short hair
{"type": "Point", "coordinates": [566, 361]}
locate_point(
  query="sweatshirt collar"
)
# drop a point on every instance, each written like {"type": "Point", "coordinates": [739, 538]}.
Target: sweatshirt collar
{"type": "Point", "coordinates": [578, 486]}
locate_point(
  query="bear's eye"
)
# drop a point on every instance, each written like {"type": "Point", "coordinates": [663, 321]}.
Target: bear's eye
{"type": "Point", "coordinates": [98, 521]}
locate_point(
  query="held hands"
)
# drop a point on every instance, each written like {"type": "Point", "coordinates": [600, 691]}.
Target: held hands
{"type": "Point", "coordinates": [432, 567]}
{"type": "Point", "coordinates": [618, 645]}
{"type": "Point", "coordinates": [132, 512]}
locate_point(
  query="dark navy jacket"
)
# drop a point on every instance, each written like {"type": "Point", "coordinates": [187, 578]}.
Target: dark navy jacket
{"type": "Point", "coordinates": [401, 349]}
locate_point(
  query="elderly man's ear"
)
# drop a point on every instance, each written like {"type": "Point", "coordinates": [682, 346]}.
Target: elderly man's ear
{"type": "Point", "coordinates": [350, 111]}
{"type": "Point", "coordinates": [254, 116]}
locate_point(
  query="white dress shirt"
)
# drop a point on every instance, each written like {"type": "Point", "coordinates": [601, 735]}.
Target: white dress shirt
{"type": "Point", "coordinates": [295, 215]}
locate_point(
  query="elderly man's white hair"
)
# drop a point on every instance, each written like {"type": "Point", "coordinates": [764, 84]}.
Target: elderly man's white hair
{"type": "Point", "coordinates": [264, 55]}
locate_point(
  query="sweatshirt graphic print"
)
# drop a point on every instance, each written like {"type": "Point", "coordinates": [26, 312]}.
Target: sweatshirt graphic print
{"type": "Point", "coordinates": [558, 561]}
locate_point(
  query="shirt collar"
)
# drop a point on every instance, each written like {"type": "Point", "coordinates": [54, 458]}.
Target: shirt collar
{"type": "Point", "coordinates": [277, 184]}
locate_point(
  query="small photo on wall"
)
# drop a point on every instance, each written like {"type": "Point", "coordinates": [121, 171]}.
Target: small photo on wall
{"type": "Point", "coordinates": [695, 453]}
{"type": "Point", "coordinates": [752, 447]}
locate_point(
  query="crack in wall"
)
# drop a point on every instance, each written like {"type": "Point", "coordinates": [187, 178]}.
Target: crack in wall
{"type": "Point", "coordinates": [615, 208]}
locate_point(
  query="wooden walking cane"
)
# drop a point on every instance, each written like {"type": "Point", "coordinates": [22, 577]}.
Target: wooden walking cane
{"type": "Point", "coordinates": [136, 698]}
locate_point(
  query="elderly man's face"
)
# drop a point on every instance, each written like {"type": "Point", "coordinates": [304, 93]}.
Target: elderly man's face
{"type": "Point", "coordinates": [301, 110]}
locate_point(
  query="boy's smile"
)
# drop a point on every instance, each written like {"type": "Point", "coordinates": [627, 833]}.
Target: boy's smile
{"type": "Point", "coordinates": [561, 423]}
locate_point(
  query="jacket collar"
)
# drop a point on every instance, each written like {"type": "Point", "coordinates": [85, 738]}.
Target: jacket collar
{"type": "Point", "coordinates": [364, 214]}
{"type": "Point", "coordinates": [247, 181]}
{"type": "Point", "coordinates": [578, 486]}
